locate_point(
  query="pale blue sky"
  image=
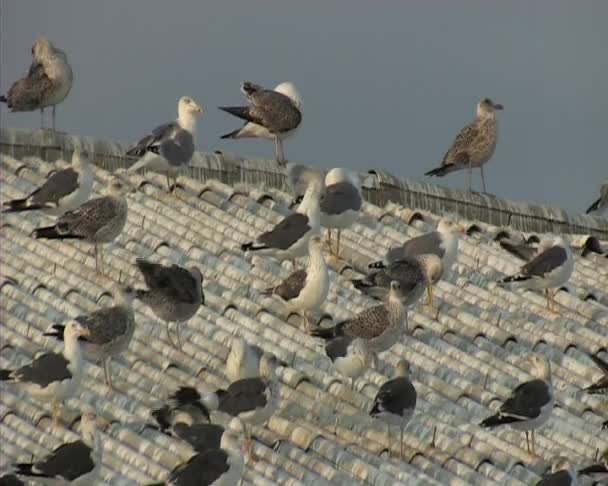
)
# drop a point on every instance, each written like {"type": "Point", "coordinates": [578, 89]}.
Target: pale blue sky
{"type": "Point", "coordinates": [384, 84]}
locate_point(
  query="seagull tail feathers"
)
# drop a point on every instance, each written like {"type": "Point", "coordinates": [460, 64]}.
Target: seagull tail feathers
{"type": "Point", "coordinates": [241, 112]}
{"type": "Point", "coordinates": [26, 469]}
{"type": "Point", "coordinates": [378, 264]}
{"type": "Point", "coordinates": [594, 206]}
{"type": "Point", "coordinates": [50, 232]}
{"type": "Point", "coordinates": [250, 246]}
{"type": "Point", "coordinates": [594, 469]}
{"type": "Point", "coordinates": [233, 134]}
{"type": "Point", "coordinates": [19, 205]}
{"type": "Point", "coordinates": [513, 279]}
{"type": "Point", "coordinates": [3, 99]}
{"type": "Point", "coordinates": [440, 171]}
{"type": "Point", "coordinates": [496, 420]}
{"type": "Point", "coordinates": [5, 375]}
{"type": "Point", "coordinates": [327, 332]}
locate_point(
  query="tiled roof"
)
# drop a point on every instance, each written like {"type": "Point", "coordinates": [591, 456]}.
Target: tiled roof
{"type": "Point", "coordinates": [464, 357]}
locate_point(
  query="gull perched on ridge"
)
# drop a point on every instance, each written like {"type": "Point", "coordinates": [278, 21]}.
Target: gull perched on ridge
{"type": "Point", "coordinates": [170, 146]}
{"type": "Point", "coordinates": [305, 290]}
{"type": "Point", "coordinates": [54, 376]}
{"type": "Point", "coordinates": [474, 145]}
{"type": "Point", "coordinates": [278, 112]}
{"type": "Point", "coordinates": [550, 268]}
{"type": "Point", "coordinates": [530, 404]}
{"type": "Point", "coordinates": [110, 330]}
{"type": "Point", "coordinates": [340, 204]}
{"type": "Point", "coordinates": [395, 402]}
{"type": "Point", "coordinates": [600, 205]}
{"type": "Point", "coordinates": [288, 239]}
{"type": "Point", "coordinates": [97, 221]}
{"type": "Point", "coordinates": [48, 81]}
{"type": "Point", "coordinates": [173, 293]}
{"type": "Point", "coordinates": [63, 191]}
{"type": "Point", "coordinates": [78, 462]}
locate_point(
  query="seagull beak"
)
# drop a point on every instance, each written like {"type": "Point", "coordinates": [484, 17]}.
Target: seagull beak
{"type": "Point", "coordinates": [461, 229]}
{"type": "Point", "coordinates": [498, 106]}
{"type": "Point", "coordinates": [199, 108]}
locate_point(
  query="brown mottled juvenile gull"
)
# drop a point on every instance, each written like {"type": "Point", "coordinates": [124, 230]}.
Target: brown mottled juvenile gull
{"type": "Point", "coordinates": [600, 205]}
{"type": "Point", "coordinates": [380, 326]}
{"type": "Point", "coordinates": [305, 290]}
{"type": "Point", "coordinates": [395, 402]}
{"type": "Point", "coordinates": [77, 462]}
{"type": "Point", "coordinates": [275, 111]}
{"type": "Point", "coordinates": [550, 268]}
{"type": "Point", "coordinates": [110, 330]}
{"type": "Point", "coordinates": [63, 191]}
{"type": "Point", "coordinates": [600, 387]}
{"type": "Point", "coordinates": [349, 355]}
{"type": "Point", "coordinates": [530, 404]}
{"type": "Point", "coordinates": [170, 146]}
{"type": "Point", "coordinates": [474, 145]}
{"type": "Point", "coordinates": [48, 81]}
{"type": "Point", "coordinates": [288, 239]}
{"type": "Point", "coordinates": [340, 204]}
{"type": "Point", "coordinates": [53, 376]}
{"type": "Point", "coordinates": [97, 221]}
{"type": "Point", "coordinates": [173, 293]}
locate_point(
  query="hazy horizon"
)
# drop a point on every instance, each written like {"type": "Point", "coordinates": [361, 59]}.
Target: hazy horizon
{"type": "Point", "coordinates": [383, 85]}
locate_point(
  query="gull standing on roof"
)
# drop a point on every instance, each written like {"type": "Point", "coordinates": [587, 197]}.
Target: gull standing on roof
{"type": "Point", "coordinates": [562, 473]}
{"type": "Point", "coordinates": [63, 191]}
{"type": "Point", "coordinates": [600, 387]}
{"type": "Point", "coordinates": [280, 114]}
{"type": "Point", "coordinates": [474, 145]}
{"type": "Point", "coordinates": [110, 330]}
{"type": "Point", "coordinates": [170, 146]}
{"type": "Point", "coordinates": [598, 470]}
{"type": "Point", "coordinates": [395, 402]}
{"type": "Point", "coordinates": [341, 203]}
{"type": "Point", "coordinates": [288, 239]}
{"type": "Point", "coordinates": [305, 290]}
{"type": "Point", "coordinates": [442, 242]}
{"type": "Point", "coordinates": [78, 462]}
{"type": "Point", "coordinates": [414, 274]}
{"type": "Point", "coordinates": [53, 376]}
{"type": "Point", "coordinates": [48, 81]}
{"type": "Point", "coordinates": [530, 404]}
{"type": "Point", "coordinates": [600, 206]}
{"type": "Point", "coordinates": [349, 355]}
{"type": "Point", "coordinates": [380, 326]}
{"type": "Point", "coordinates": [173, 293]}
{"type": "Point", "coordinates": [97, 221]}
{"type": "Point", "coordinates": [550, 268]}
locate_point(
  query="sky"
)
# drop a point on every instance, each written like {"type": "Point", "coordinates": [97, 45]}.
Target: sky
{"type": "Point", "coordinates": [384, 84]}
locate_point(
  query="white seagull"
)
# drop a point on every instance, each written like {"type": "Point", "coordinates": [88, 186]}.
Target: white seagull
{"type": "Point", "coordinates": [63, 191]}
{"type": "Point", "coordinates": [530, 404]}
{"type": "Point", "coordinates": [395, 402]}
{"type": "Point", "coordinates": [550, 268]}
{"type": "Point", "coordinates": [76, 463]}
{"type": "Point", "coordinates": [243, 360]}
{"type": "Point", "coordinates": [305, 290]}
{"type": "Point", "coordinates": [474, 145]}
{"type": "Point", "coordinates": [97, 221]}
{"type": "Point", "coordinates": [349, 355]}
{"type": "Point", "coordinates": [53, 376]}
{"type": "Point", "coordinates": [340, 204]}
{"type": "Point", "coordinates": [110, 330]}
{"type": "Point", "coordinates": [48, 81]}
{"type": "Point", "coordinates": [277, 113]}
{"type": "Point", "coordinates": [170, 146]}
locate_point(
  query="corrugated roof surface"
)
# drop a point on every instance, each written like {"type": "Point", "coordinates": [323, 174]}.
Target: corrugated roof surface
{"type": "Point", "coordinates": [464, 358]}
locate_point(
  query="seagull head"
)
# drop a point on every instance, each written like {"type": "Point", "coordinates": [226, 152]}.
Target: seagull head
{"type": "Point", "coordinates": [42, 49]}
{"type": "Point", "coordinates": [124, 294]}
{"type": "Point", "coordinates": [446, 225]}
{"type": "Point", "coordinates": [403, 368]}
{"type": "Point", "coordinates": [74, 330]}
{"type": "Point", "coordinates": [289, 89]}
{"type": "Point", "coordinates": [486, 107]}
{"type": "Point", "coordinates": [541, 368]}
{"type": "Point", "coordinates": [187, 105]}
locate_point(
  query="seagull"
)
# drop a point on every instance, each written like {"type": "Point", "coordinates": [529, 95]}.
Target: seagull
{"type": "Point", "coordinates": [97, 221]}
{"type": "Point", "coordinates": [170, 146]}
{"type": "Point", "coordinates": [562, 474]}
{"type": "Point", "coordinates": [110, 330]}
{"type": "Point", "coordinates": [212, 467]}
{"type": "Point", "coordinates": [185, 406]}
{"type": "Point", "coordinates": [600, 387]}
{"type": "Point", "coordinates": [54, 376]}
{"type": "Point", "coordinates": [530, 404]}
{"type": "Point", "coordinates": [395, 402]}
{"type": "Point", "coordinates": [305, 290]}
{"type": "Point", "coordinates": [173, 293]}
{"type": "Point", "coordinates": [243, 360]}
{"type": "Point", "coordinates": [380, 326]}
{"type": "Point", "coordinates": [598, 470]}
{"type": "Point", "coordinates": [414, 274]}
{"type": "Point", "coordinates": [341, 203]}
{"type": "Point", "coordinates": [551, 267]}
{"type": "Point", "coordinates": [78, 462]}
{"type": "Point", "coordinates": [349, 355]}
{"type": "Point", "coordinates": [600, 206]}
{"type": "Point", "coordinates": [278, 113]}
{"type": "Point", "coordinates": [48, 81]}
{"type": "Point", "coordinates": [252, 400]}
{"type": "Point", "coordinates": [474, 145]}
{"type": "Point", "coordinates": [288, 239]}
{"type": "Point", "coordinates": [63, 191]}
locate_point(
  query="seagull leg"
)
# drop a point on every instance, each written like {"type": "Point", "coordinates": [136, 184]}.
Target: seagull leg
{"type": "Point", "coordinates": [168, 183]}
{"type": "Point", "coordinates": [41, 118]}
{"type": "Point", "coordinates": [248, 445]}
{"type": "Point", "coordinates": [329, 241]}
{"type": "Point", "coordinates": [338, 246]}
{"type": "Point", "coordinates": [101, 261]}
{"type": "Point", "coordinates": [169, 335]}
{"type": "Point", "coordinates": [533, 445]}
{"type": "Point", "coordinates": [281, 153]}
{"type": "Point", "coordinates": [483, 180]}
{"type": "Point", "coordinates": [401, 444]}
{"type": "Point", "coordinates": [469, 175]}
{"type": "Point", "coordinates": [527, 442]}
{"type": "Point", "coordinates": [388, 434]}
{"type": "Point", "coordinates": [407, 324]}
{"type": "Point", "coordinates": [54, 118]}
{"type": "Point", "coordinates": [429, 290]}
{"type": "Point", "coordinates": [108, 373]}
{"type": "Point", "coordinates": [55, 413]}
